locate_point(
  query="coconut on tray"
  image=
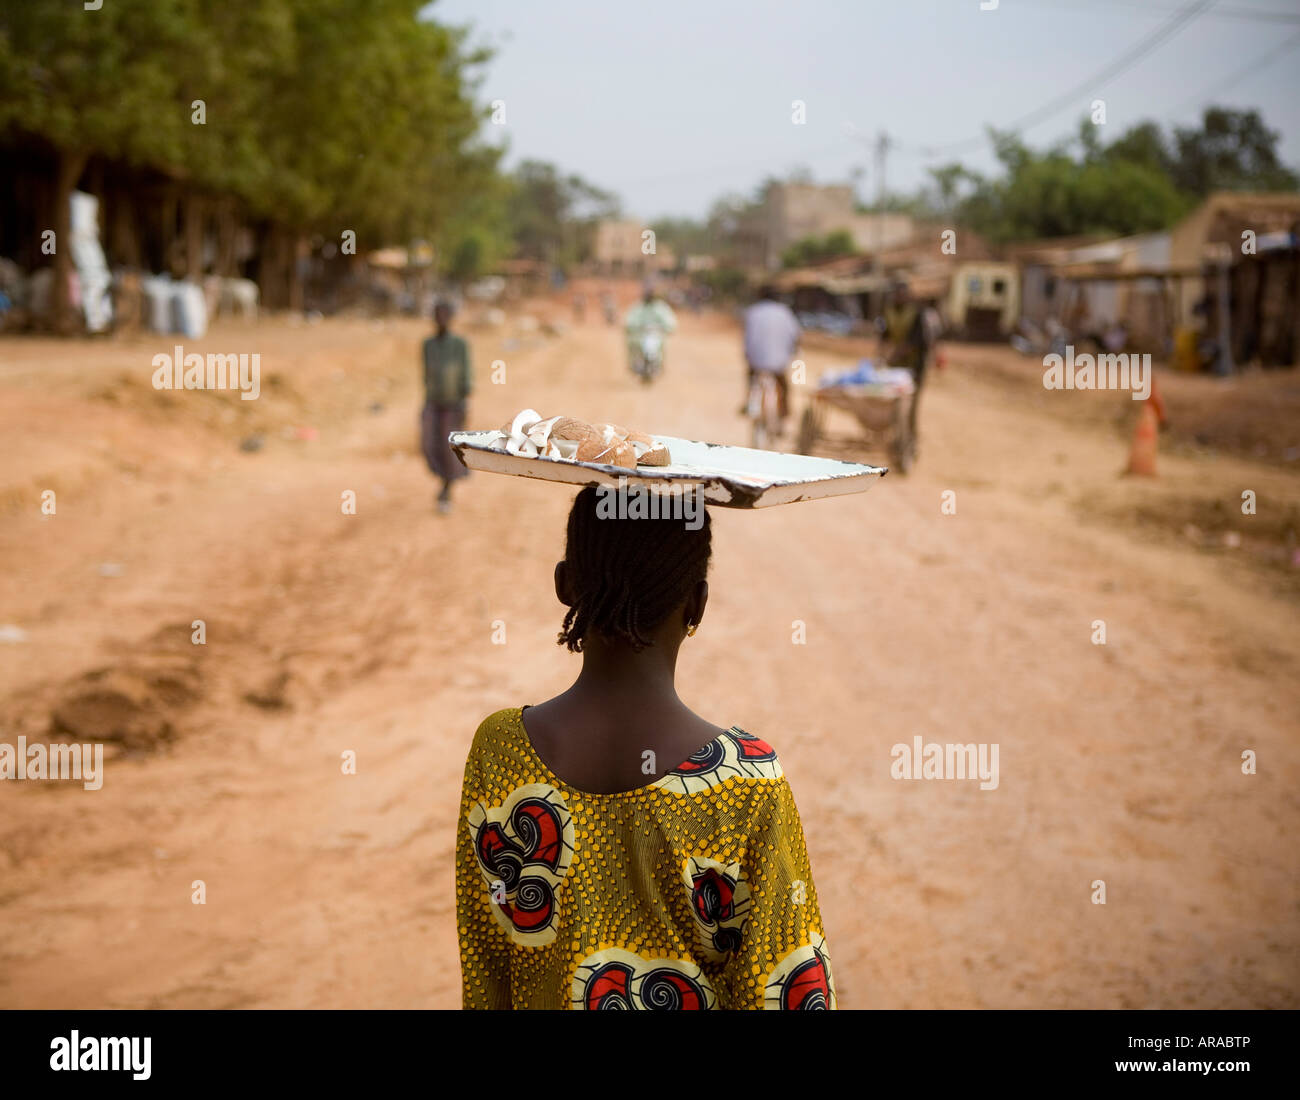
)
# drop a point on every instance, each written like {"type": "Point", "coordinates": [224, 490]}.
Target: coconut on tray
{"type": "Point", "coordinates": [568, 437]}
{"type": "Point", "coordinates": [570, 451]}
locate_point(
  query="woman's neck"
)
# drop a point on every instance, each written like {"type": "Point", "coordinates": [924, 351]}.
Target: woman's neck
{"type": "Point", "coordinates": [624, 675]}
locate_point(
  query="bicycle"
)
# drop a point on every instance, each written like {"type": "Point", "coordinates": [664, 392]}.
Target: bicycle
{"type": "Point", "coordinates": [764, 409]}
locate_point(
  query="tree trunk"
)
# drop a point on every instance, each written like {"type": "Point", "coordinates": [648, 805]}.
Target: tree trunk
{"type": "Point", "coordinates": [227, 228]}
{"type": "Point", "coordinates": [299, 249]}
{"type": "Point", "coordinates": [70, 165]}
{"type": "Point", "coordinates": [173, 244]}
{"type": "Point", "coordinates": [123, 239]}
{"type": "Point", "coordinates": [1295, 315]}
{"type": "Point", "coordinates": [194, 210]}
{"type": "Point", "coordinates": [272, 270]}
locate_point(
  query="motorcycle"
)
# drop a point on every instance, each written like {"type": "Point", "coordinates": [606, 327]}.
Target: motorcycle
{"type": "Point", "coordinates": [648, 355]}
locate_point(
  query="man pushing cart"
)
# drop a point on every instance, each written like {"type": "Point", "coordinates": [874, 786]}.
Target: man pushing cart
{"type": "Point", "coordinates": [883, 399]}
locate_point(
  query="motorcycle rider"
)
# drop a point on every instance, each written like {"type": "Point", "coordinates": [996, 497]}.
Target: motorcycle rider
{"type": "Point", "coordinates": [651, 314]}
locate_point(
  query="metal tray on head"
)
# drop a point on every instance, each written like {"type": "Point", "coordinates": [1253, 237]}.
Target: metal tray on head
{"type": "Point", "coordinates": [728, 477]}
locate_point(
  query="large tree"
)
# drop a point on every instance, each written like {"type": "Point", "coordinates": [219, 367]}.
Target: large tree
{"type": "Point", "coordinates": [1231, 151]}
{"type": "Point", "coordinates": [319, 115]}
{"type": "Point", "coordinates": [1142, 181]}
{"type": "Point", "coordinates": [551, 215]}
{"type": "Point", "coordinates": [108, 81]}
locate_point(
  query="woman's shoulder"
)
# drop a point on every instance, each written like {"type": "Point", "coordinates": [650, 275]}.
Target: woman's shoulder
{"type": "Point", "coordinates": [754, 748]}
{"type": "Point", "coordinates": [498, 728]}
{"type": "Point", "coordinates": [496, 742]}
{"type": "Point", "coordinates": [734, 755]}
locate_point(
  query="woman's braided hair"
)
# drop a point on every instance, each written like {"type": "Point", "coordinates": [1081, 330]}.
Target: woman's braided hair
{"type": "Point", "coordinates": [627, 575]}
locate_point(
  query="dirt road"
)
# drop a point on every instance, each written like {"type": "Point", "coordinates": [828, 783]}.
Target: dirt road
{"type": "Point", "coordinates": [373, 633]}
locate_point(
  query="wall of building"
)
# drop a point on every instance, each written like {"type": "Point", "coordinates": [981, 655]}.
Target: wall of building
{"type": "Point", "coordinates": [618, 243]}
{"type": "Point", "coordinates": [1218, 223]}
{"type": "Point", "coordinates": [795, 211]}
{"type": "Point", "coordinates": [881, 232]}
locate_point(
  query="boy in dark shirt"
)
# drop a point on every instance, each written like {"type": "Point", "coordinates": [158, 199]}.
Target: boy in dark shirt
{"type": "Point", "coordinates": [447, 385]}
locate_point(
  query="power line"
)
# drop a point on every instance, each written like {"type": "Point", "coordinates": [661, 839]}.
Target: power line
{"type": "Point", "coordinates": [1250, 15]}
{"type": "Point", "coordinates": [1181, 18]}
{"type": "Point", "coordinates": [1235, 78]}
{"type": "Point", "coordinates": [1121, 64]}
{"type": "Point", "coordinates": [736, 166]}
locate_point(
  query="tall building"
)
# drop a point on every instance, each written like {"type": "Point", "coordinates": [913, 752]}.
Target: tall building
{"type": "Point", "coordinates": [620, 247]}
{"type": "Point", "coordinates": [792, 212]}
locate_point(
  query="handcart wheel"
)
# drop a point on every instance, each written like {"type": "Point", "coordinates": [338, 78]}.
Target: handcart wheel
{"type": "Point", "coordinates": [807, 430]}
{"type": "Point", "coordinates": [903, 454]}
{"type": "Point", "coordinates": [902, 447]}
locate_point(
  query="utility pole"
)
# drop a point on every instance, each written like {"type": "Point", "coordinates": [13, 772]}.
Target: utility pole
{"type": "Point", "coordinates": [882, 151]}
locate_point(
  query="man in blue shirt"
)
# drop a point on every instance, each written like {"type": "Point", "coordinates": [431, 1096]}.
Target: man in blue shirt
{"type": "Point", "coordinates": [771, 339]}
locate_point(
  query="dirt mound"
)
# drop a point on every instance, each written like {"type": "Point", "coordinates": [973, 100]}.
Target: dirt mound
{"type": "Point", "coordinates": [132, 706]}
{"type": "Point", "coordinates": [273, 693]}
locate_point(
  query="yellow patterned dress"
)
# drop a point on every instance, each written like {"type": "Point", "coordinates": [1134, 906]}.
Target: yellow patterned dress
{"type": "Point", "coordinates": [693, 892]}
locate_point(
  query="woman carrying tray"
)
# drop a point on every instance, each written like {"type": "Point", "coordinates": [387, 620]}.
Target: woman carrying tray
{"type": "Point", "coordinates": [614, 849]}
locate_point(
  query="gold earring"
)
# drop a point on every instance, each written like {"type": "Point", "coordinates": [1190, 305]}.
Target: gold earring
{"type": "Point", "coordinates": [690, 630]}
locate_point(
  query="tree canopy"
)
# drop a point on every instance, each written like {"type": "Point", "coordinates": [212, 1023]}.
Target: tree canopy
{"type": "Point", "coordinates": [322, 115]}
{"type": "Point", "coordinates": [1142, 181]}
{"type": "Point", "coordinates": [551, 215]}
{"type": "Point", "coordinates": [813, 250]}
{"type": "Point", "coordinates": [330, 115]}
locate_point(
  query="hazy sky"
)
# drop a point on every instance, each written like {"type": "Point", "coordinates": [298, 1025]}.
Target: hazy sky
{"type": "Point", "coordinates": [671, 104]}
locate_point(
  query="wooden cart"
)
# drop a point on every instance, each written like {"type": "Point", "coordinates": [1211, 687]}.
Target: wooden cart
{"type": "Point", "coordinates": [882, 410]}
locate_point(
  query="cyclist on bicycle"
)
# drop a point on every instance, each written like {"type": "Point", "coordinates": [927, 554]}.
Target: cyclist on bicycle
{"type": "Point", "coordinates": [771, 339]}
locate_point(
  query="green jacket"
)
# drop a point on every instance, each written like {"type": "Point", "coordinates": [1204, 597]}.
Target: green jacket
{"type": "Point", "coordinates": [447, 377]}
{"type": "Point", "coordinates": [646, 315]}
{"type": "Point", "coordinates": [906, 336]}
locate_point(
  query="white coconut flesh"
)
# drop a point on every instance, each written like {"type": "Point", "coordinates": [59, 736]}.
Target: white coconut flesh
{"type": "Point", "coordinates": [530, 435]}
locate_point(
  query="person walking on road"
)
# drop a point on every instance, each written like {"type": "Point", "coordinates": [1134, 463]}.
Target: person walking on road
{"type": "Point", "coordinates": [908, 342]}
{"type": "Point", "coordinates": [448, 381]}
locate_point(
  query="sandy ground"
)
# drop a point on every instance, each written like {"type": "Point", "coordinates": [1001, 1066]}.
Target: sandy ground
{"type": "Point", "coordinates": [374, 633]}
